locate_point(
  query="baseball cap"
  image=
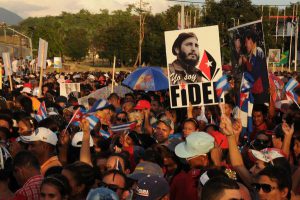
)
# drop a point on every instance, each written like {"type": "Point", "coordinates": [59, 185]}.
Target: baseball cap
{"type": "Point", "coordinates": [197, 143]}
{"type": "Point", "coordinates": [151, 187]}
{"type": "Point", "coordinates": [41, 134]}
{"type": "Point", "coordinates": [26, 90]}
{"type": "Point", "coordinates": [167, 122]}
{"type": "Point", "coordinates": [102, 193]}
{"type": "Point", "coordinates": [267, 154]}
{"type": "Point", "coordinates": [220, 139]}
{"type": "Point", "coordinates": [142, 104]}
{"type": "Point", "coordinates": [144, 168]}
{"type": "Point", "coordinates": [77, 140]}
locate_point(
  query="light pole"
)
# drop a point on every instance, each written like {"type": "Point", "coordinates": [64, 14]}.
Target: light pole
{"type": "Point", "coordinates": [238, 21]}
{"type": "Point", "coordinates": [233, 21]}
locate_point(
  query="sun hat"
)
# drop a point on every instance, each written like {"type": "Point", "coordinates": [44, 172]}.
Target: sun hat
{"type": "Point", "coordinates": [197, 143]}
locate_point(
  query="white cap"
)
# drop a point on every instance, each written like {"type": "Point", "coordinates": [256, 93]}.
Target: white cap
{"type": "Point", "coordinates": [77, 140]}
{"type": "Point", "coordinates": [91, 77]}
{"type": "Point", "coordinates": [26, 90]}
{"type": "Point", "coordinates": [42, 134]}
{"type": "Point", "coordinates": [35, 91]}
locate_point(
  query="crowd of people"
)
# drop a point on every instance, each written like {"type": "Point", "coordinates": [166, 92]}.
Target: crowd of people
{"type": "Point", "coordinates": [139, 147]}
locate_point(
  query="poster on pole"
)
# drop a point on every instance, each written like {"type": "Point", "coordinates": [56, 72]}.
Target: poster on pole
{"type": "Point", "coordinates": [57, 62]}
{"type": "Point", "coordinates": [7, 63]}
{"type": "Point", "coordinates": [42, 54]}
{"type": "Point", "coordinates": [248, 54]}
{"type": "Point", "coordinates": [194, 66]}
{"type": "Point", "coordinates": [274, 55]}
{"type": "Point", "coordinates": [67, 88]}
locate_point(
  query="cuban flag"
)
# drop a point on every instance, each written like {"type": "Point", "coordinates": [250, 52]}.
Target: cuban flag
{"type": "Point", "coordinates": [222, 85]}
{"type": "Point", "coordinates": [98, 105]}
{"type": "Point", "coordinates": [289, 90]}
{"type": "Point", "coordinates": [41, 112]}
{"type": "Point", "coordinates": [246, 104]}
{"type": "Point", "coordinates": [93, 120]}
{"type": "Point", "coordinates": [123, 127]}
{"type": "Point", "coordinates": [77, 116]}
{"type": "Point", "coordinates": [104, 134]}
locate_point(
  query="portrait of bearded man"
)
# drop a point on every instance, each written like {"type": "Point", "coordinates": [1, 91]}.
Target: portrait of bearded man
{"type": "Point", "coordinates": [183, 69]}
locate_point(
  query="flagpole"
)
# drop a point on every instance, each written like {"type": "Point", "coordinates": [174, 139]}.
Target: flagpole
{"type": "Point", "coordinates": [72, 118]}
{"type": "Point", "coordinates": [277, 24]}
{"type": "Point", "coordinates": [296, 102]}
{"type": "Point", "coordinates": [296, 38]}
{"type": "Point", "coordinates": [1, 76]}
{"type": "Point", "coordinates": [113, 75]}
{"type": "Point", "coordinates": [41, 70]}
{"type": "Point", "coordinates": [182, 21]}
{"type": "Point", "coordinates": [291, 40]}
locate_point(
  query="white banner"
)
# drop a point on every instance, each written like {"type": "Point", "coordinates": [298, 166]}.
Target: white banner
{"type": "Point", "coordinates": [57, 62]}
{"type": "Point", "coordinates": [42, 54]}
{"type": "Point", "coordinates": [67, 88]}
{"type": "Point", "coordinates": [7, 63]}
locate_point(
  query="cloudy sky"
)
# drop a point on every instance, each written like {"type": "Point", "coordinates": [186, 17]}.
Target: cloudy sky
{"type": "Point", "coordinates": [33, 8]}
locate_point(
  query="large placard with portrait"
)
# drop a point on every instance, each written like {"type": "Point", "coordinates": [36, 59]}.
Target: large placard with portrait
{"type": "Point", "coordinates": [67, 88]}
{"type": "Point", "coordinates": [248, 55]}
{"type": "Point", "coordinates": [194, 66]}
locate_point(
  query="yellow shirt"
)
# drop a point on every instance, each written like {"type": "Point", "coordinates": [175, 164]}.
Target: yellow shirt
{"type": "Point", "coordinates": [51, 162]}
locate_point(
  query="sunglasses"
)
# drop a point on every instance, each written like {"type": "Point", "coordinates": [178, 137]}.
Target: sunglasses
{"type": "Point", "coordinates": [265, 187]}
{"type": "Point", "coordinates": [110, 186]}
{"type": "Point", "coordinates": [121, 119]}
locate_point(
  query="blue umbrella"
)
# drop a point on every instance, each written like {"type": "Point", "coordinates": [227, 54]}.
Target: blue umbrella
{"type": "Point", "coordinates": [147, 79]}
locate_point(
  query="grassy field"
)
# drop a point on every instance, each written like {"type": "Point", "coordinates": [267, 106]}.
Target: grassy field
{"type": "Point", "coordinates": [75, 67]}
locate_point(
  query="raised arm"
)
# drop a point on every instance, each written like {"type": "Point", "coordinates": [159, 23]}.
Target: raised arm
{"type": "Point", "coordinates": [235, 156]}
{"type": "Point", "coordinates": [85, 153]}
{"type": "Point", "coordinates": [288, 135]}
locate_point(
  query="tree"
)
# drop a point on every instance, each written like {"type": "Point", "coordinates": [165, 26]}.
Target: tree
{"type": "Point", "coordinates": [76, 44]}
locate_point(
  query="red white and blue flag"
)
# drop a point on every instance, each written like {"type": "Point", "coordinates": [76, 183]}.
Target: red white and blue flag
{"type": "Point", "coordinates": [41, 112]}
{"type": "Point", "coordinates": [78, 115]}
{"type": "Point", "coordinates": [289, 90]}
{"type": "Point", "coordinates": [123, 127]}
{"type": "Point", "coordinates": [222, 85]}
{"type": "Point", "coordinates": [246, 104]}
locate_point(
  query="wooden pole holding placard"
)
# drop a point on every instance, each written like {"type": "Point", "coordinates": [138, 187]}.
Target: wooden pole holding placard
{"type": "Point", "coordinates": [10, 82]}
{"type": "Point", "coordinates": [1, 76]}
{"type": "Point", "coordinates": [41, 69]}
{"type": "Point", "coordinates": [113, 75]}
{"type": "Point", "coordinates": [291, 40]}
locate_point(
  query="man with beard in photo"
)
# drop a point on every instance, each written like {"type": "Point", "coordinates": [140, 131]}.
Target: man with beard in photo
{"type": "Point", "coordinates": [183, 69]}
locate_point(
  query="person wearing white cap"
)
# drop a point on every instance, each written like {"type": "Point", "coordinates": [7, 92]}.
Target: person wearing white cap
{"type": "Point", "coordinates": [42, 144]}
{"type": "Point", "coordinates": [196, 149]}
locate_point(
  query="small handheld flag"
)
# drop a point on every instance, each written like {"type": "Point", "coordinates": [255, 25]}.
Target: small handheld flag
{"type": "Point", "coordinates": [222, 85]}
